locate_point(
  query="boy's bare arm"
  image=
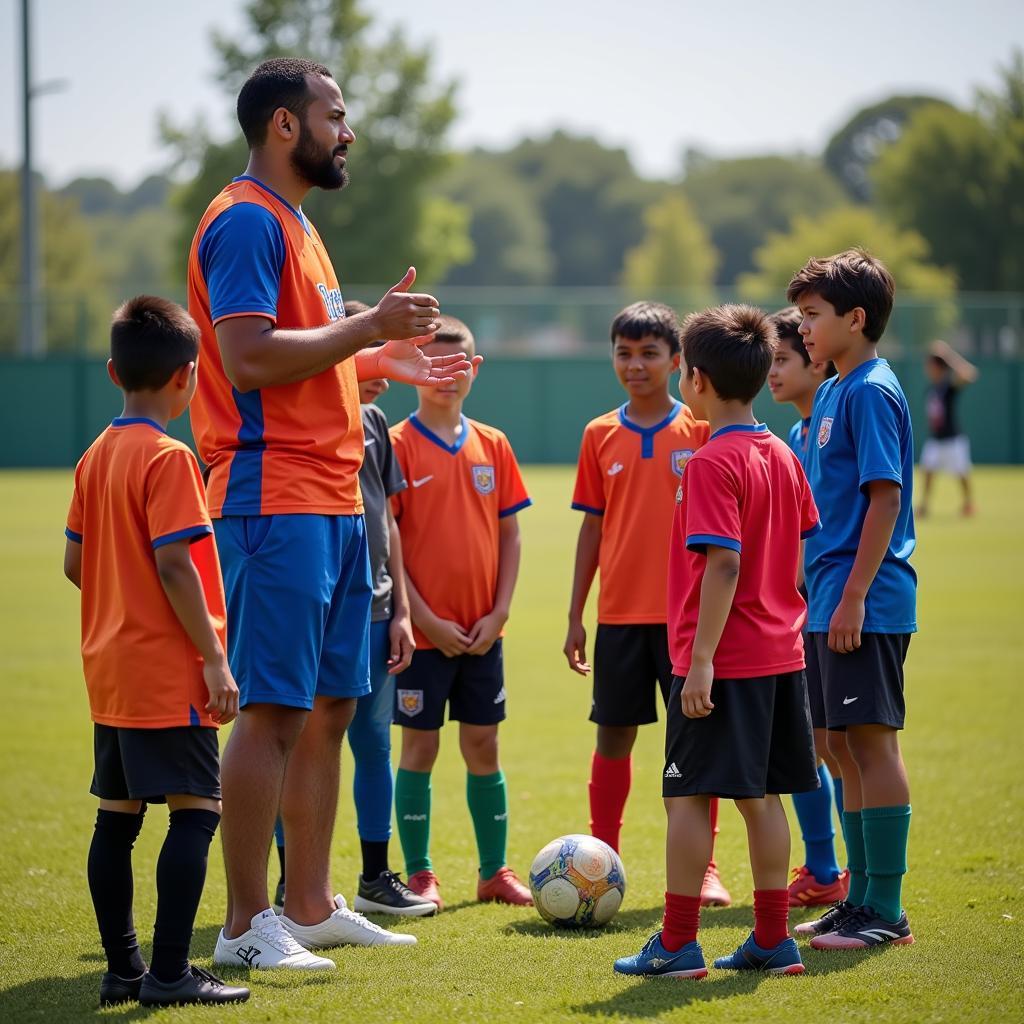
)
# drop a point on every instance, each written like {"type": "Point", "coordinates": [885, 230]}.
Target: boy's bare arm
{"type": "Point", "coordinates": [184, 589]}
{"type": "Point", "coordinates": [717, 590]}
{"type": "Point", "coordinates": [844, 629]}
{"type": "Point", "coordinates": [588, 547]}
{"type": "Point", "coordinates": [964, 371]}
{"type": "Point", "coordinates": [400, 631]}
{"type": "Point", "coordinates": [486, 630]}
{"type": "Point", "coordinates": [73, 562]}
{"type": "Point", "coordinates": [447, 636]}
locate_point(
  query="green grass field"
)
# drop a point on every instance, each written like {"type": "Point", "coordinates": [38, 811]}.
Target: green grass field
{"type": "Point", "coordinates": [964, 894]}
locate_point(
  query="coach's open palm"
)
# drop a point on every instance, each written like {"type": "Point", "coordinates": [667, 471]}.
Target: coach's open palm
{"type": "Point", "coordinates": [223, 690]}
{"type": "Point", "coordinates": [407, 363]}
{"type": "Point", "coordinates": [696, 695]}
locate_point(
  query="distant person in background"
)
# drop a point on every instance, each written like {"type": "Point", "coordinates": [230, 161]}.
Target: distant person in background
{"type": "Point", "coordinates": [947, 448]}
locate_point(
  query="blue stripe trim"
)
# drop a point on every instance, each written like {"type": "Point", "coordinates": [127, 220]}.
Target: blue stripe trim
{"type": "Point", "coordinates": [244, 493]}
{"type": "Point", "coordinates": [193, 716]}
{"type": "Point", "coordinates": [298, 214]}
{"type": "Point", "coordinates": [130, 421]}
{"type": "Point", "coordinates": [71, 535]}
{"type": "Point", "coordinates": [193, 532]}
{"type": "Point", "coordinates": [699, 541]}
{"type": "Point", "coordinates": [816, 528]}
{"type": "Point", "coordinates": [245, 310]}
{"type": "Point", "coordinates": [586, 508]}
{"type": "Point", "coordinates": [451, 449]}
{"type": "Point", "coordinates": [647, 433]}
{"type": "Point", "coordinates": [746, 428]}
{"type": "Point", "coordinates": [515, 508]}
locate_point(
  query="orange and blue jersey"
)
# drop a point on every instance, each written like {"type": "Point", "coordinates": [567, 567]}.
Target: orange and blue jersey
{"type": "Point", "coordinates": [448, 517]}
{"type": "Point", "coordinates": [628, 475]}
{"type": "Point", "coordinates": [137, 489]}
{"type": "Point", "coordinates": [291, 448]}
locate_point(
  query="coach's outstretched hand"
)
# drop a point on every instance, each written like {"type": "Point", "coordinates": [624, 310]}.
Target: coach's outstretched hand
{"type": "Point", "coordinates": [407, 363]}
{"type": "Point", "coordinates": [404, 314]}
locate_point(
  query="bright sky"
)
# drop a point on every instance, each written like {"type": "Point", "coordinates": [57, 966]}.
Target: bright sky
{"type": "Point", "coordinates": [654, 76]}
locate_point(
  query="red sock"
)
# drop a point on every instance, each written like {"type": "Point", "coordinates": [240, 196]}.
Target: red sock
{"type": "Point", "coordinates": [682, 918]}
{"type": "Point", "coordinates": [713, 815]}
{"type": "Point", "coordinates": [609, 786]}
{"type": "Point", "coordinates": [771, 917]}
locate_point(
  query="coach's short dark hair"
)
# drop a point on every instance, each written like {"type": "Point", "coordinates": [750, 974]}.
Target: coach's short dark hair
{"type": "Point", "coordinates": [644, 319]}
{"type": "Point", "coordinates": [733, 347]}
{"type": "Point", "coordinates": [847, 280]}
{"type": "Point", "coordinates": [150, 339]}
{"type": "Point", "coordinates": [279, 82]}
{"type": "Point", "coordinates": [454, 332]}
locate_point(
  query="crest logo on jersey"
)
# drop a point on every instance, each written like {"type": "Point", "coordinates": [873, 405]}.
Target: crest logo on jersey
{"type": "Point", "coordinates": [410, 701]}
{"type": "Point", "coordinates": [679, 459]}
{"type": "Point", "coordinates": [333, 302]}
{"type": "Point", "coordinates": [483, 479]}
{"type": "Point", "coordinates": [824, 431]}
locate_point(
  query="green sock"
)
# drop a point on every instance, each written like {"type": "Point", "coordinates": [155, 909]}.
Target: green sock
{"type": "Point", "coordinates": [412, 809]}
{"type": "Point", "coordinates": [487, 797]}
{"type": "Point", "coordinates": [886, 831]}
{"type": "Point", "coordinates": [856, 861]}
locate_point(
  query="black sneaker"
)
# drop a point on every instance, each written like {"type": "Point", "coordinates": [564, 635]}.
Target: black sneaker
{"type": "Point", "coordinates": [864, 928]}
{"type": "Point", "coordinates": [832, 919]}
{"type": "Point", "coordinates": [197, 986]}
{"type": "Point", "coordinates": [115, 990]}
{"type": "Point", "coordinates": [388, 894]}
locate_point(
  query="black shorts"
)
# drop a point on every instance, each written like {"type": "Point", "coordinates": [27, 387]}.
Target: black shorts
{"type": "Point", "coordinates": [758, 740]}
{"type": "Point", "coordinates": [864, 687]}
{"type": "Point", "coordinates": [631, 664]}
{"type": "Point", "coordinates": [473, 686]}
{"type": "Point", "coordinates": [149, 764]}
{"type": "Point", "coordinates": [815, 698]}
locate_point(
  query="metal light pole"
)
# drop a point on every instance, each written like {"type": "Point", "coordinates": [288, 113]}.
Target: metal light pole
{"type": "Point", "coordinates": [32, 341]}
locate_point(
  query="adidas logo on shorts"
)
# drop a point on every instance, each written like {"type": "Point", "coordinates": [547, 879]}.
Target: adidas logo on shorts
{"type": "Point", "coordinates": [673, 772]}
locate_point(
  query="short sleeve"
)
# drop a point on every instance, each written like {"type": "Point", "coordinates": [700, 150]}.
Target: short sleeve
{"type": "Point", "coordinates": [175, 499]}
{"type": "Point", "coordinates": [512, 496]}
{"type": "Point", "coordinates": [396, 497]}
{"type": "Point", "coordinates": [75, 526]}
{"type": "Point", "coordinates": [876, 418]}
{"type": "Point", "coordinates": [241, 255]}
{"type": "Point", "coordinates": [588, 494]}
{"type": "Point", "coordinates": [810, 522]}
{"type": "Point", "coordinates": [711, 506]}
{"type": "Point", "coordinates": [390, 471]}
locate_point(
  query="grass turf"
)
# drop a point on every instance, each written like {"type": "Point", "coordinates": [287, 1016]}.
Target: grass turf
{"type": "Point", "coordinates": [487, 963]}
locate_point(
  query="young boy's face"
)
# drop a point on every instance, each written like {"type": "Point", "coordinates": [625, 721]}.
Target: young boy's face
{"type": "Point", "coordinates": [371, 390]}
{"type": "Point", "coordinates": [447, 396]}
{"type": "Point", "coordinates": [826, 333]}
{"type": "Point", "coordinates": [643, 366]}
{"type": "Point", "coordinates": [790, 378]}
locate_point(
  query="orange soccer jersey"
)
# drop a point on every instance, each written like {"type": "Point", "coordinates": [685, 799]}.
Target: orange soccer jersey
{"type": "Point", "coordinates": [290, 448]}
{"type": "Point", "coordinates": [629, 476]}
{"type": "Point", "coordinates": [448, 516]}
{"type": "Point", "coordinates": [136, 489]}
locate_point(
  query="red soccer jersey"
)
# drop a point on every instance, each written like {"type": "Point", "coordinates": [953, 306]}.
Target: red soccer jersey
{"type": "Point", "coordinates": [136, 489]}
{"type": "Point", "coordinates": [629, 475]}
{"type": "Point", "coordinates": [291, 448]}
{"type": "Point", "coordinates": [744, 490]}
{"type": "Point", "coordinates": [448, 516]}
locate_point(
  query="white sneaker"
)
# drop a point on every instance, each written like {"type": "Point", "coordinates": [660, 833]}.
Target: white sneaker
{"type": "Point", "coordinates": [267, 944]}
{"type": "Point", "coordinates": [344, 928]}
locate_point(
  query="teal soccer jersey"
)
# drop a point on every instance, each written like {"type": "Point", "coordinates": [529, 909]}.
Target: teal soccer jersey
{"type": "Point", "coordinates": [860, 431]}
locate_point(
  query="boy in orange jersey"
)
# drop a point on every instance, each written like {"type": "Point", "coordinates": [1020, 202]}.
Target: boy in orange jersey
{"type": "Point", "coordinates": [630, 463]}
{"type": "Point", "coordinates": [460, 540]}
{"type": "Point", "coordinates": [140, 548]}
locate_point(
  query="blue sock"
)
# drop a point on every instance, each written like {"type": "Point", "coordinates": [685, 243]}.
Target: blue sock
{"type": "Point", "coordinates": [837, 788]}
{"type": "Point", "coordinates": [814, 812]}
{"type": "Point", "coordinates": [279, 832]}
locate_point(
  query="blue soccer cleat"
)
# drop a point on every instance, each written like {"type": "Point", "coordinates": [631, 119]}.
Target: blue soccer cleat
{"type": "Point", "coordinates": [783, 959]}
{"type": "Point", "coordinates": [655, 961]}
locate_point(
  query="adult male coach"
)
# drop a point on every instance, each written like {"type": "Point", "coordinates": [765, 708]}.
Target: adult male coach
{"type": "Point", "coordinates": [276, 418]}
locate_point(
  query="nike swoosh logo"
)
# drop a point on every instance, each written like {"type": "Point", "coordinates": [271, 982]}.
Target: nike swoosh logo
{"type": "Point", "coordinates": [850, 700]}
{"type": "Point", "coordinates": [422, 480]}
{"type": "Point", "coordinates": [616, 468]}
{"type": "Point", "coordinates": [369, 441]}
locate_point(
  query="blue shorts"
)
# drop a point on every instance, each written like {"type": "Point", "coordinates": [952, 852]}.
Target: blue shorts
{"type": "Point", "coordinates": [298, 599]}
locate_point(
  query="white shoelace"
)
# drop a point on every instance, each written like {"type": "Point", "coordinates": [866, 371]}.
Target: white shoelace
{"type": "Point", "coordinates": [275, 933]}
{"type": "Point", "coordinates": [362, 922]}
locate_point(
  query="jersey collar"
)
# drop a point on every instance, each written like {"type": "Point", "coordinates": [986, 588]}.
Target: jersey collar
{"type": "Point", "coordinates": [647, 433]}
{"type": "Point", "coordinates": [298, 214]}
{"type": "Point", "coordinates": [451, 449]}
{"type": "Point", "coordinates": [129, 421]}
{"type": "Point", "coordinates": [745, 428]}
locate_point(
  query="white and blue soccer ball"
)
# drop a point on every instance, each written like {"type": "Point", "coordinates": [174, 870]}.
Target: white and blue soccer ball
{"type": "Point", "coordinates": [577, 882]}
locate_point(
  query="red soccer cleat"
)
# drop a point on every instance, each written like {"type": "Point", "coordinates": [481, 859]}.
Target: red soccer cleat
{"type": "Point", "coordinates": [504, 887]}
{"type": "Point", "coordinates": [712, 892]}
{"type": "Point", "coordinates": [806, 891]}
{"type": "Point", "coordinates": [424, 883]}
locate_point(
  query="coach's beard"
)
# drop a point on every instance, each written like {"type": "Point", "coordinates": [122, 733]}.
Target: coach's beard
{"type": "Point", "coordinates": [316, 168]}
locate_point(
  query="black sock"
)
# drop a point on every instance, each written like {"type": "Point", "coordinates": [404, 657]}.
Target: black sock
{"type": "Point", "coordinates": [111, 886]}
{"type": "Point", "coordinates": [280, 857]}
{"type": "Point", "coordinates": [375, 858]}
{"type": "Point", "coordinates": [180, 875]}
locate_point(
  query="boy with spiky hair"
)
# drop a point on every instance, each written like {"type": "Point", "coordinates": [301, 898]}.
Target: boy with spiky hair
{"type": "Point", "coordinates": [862, 589]}
{"type": "Point", "coordinates": [818, 882]}
{"type": "Point", "coordinates": [629, 467]}
{"type": "Point", "coordinates": [738, 722]}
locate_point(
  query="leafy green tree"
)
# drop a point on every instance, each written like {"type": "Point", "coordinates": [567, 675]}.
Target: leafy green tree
{"type": "Point", "coordinates": [392, 214]}
{"type": "Point", "coordinates": [675, 253]}
{"type": "Point", "coordinates": [740, 201]}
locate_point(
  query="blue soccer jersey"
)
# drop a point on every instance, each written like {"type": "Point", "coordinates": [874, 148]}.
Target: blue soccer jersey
{"type": "Point", "coordinates": [860, 431]}
{"type": "Point", "coordinates": [797, 437]}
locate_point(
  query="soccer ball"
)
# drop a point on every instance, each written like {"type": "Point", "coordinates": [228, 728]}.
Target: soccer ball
{"type": "Point", "coordinates": [577, 882]}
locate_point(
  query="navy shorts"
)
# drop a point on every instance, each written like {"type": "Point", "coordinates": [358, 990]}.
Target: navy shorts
{"type": "Point", "coordinates": [298, 594]}
{"type": "Point", "coordinates": [632, 668]}
{"type": "Point", "coordinates": [149, 764]}
{"type": "Point", "coordinates": [472, 685]}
